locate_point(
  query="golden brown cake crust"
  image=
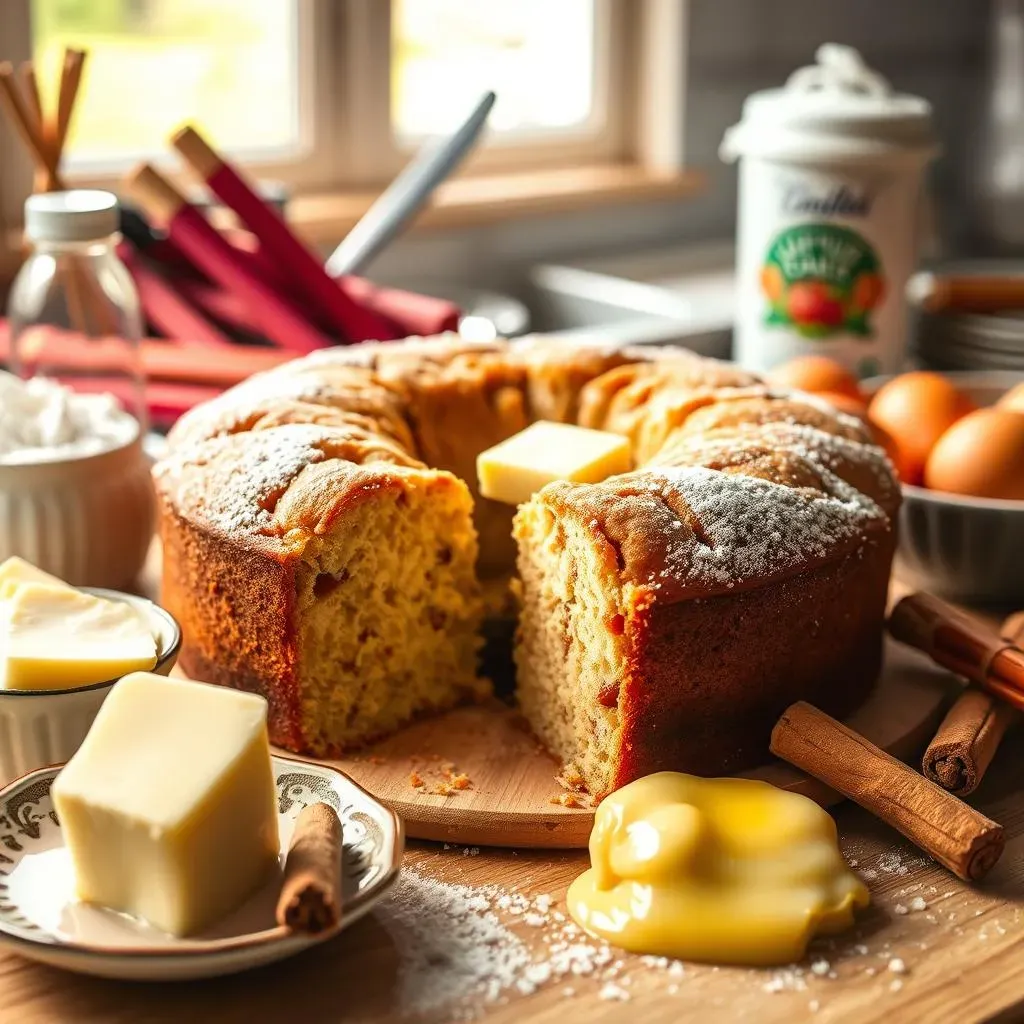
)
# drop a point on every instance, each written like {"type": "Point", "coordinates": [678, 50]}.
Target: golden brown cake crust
{"type": "Point", "coordinates": [705, 682]}
{"type": "Point", "coordinates": [752, 550]}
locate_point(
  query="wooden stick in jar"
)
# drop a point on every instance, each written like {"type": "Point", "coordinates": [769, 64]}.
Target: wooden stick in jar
{"type": "Point", "coordinates": [70, 80]}
{"type": "Point", "coordinates": [967, 740]}
{"type": "Point", "coordinates": [310, 899]}
{"type": "Point", "coordinates": [21, 117]}
{"type": "Point", "coordinates": [948, 830]}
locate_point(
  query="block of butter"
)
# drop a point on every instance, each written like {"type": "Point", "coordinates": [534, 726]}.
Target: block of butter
{"type": "Point", "coordinates": [15, 571]}
{"type": "Point", "coordinates": [514, 470]}
{"type": "Point", "coordinates": [169, 807]}
{"type": "Point", "coordinates": [53, 637]}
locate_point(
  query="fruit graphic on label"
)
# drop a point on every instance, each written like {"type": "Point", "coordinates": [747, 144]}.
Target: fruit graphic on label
{"type": "Point", "coordinates": [868, 290]}
{"type": "Point", "coordinates": [821, 280]}
{"type": "Point", "coordinates": [811, 303]}
{"type": "Point", "coordinates": [772, 283]}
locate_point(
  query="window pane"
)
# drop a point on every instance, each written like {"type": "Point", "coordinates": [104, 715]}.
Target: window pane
{"type": "Point", "coordinates": [227, 66]}
{"type": "Point", "coordinates": [537, 55]}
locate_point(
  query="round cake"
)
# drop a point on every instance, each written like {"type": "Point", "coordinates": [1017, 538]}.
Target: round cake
{"type": "Point", "coordinates": [325, 545]}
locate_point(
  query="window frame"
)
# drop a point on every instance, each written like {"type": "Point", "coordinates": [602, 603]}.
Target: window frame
{"type": "Point", "coordinates": [640, 88]}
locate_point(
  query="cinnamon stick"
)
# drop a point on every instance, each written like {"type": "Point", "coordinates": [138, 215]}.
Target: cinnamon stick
{"type": "Point", "coordinates": [948, 830]}
{"type": "Point", "coordinates": [967, 740]}
{"type": "Point", "coordinates": [70, 80]}
{"type": "Point", "coordinates": [310, 898]}
{"type": "Point", "coordinates": [961, 644]}
{"type": "Point", "coordinates": [27, 76]}
{"type": "Point", "coordinates": [21, 118]}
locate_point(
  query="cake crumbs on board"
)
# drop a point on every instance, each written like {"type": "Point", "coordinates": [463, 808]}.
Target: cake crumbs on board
{"type": "Point", "coordinates": [438, 779]}
{"type": "Point", "coordinates": [567, 799]}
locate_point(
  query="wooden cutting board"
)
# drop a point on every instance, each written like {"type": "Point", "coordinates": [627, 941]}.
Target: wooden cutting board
{"type": "Point", "coordinates": [511, 779]}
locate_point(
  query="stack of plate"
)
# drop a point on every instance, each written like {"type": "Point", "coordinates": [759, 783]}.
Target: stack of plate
{"type": "Point", "coordinates": [971, 341]}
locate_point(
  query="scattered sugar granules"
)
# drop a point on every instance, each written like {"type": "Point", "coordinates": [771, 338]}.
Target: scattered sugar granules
{"type": "Point", "coordinates": [464, 948]}
{"type": "Point", "coordinates": [450, 944]}
{"type": "Point", "coordinates": [612, 991]}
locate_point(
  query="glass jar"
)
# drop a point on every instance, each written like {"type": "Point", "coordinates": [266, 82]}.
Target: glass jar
{"type": "Point", "coordinates": [73, 308]}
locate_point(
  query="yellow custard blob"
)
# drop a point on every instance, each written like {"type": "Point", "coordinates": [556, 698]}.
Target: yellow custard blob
{"type": "Point", "coordinates": [729, 871]}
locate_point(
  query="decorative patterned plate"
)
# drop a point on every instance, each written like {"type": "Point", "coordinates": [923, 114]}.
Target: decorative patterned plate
{"type": "Point", "coordinates": [41, 919]}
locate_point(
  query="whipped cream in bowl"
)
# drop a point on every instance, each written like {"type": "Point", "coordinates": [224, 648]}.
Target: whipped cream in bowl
{"type": "Point", "coordinates": [41, 420]}
{"type": "Point", "coordinates": [76, 498]}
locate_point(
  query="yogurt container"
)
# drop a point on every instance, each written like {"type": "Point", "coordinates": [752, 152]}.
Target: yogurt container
{"type": "Point", "coordinates": [830, 182]}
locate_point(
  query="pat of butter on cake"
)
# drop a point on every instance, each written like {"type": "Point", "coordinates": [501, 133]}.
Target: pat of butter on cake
{"type": "Point", "coordinates": [169, 807]}
{"type": "Point", "coordinates": [56, 637]}
{"type": "Point", "coordinates": [514, 470]}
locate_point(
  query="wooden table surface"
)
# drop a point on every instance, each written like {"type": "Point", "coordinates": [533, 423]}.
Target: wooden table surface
{"type": "Point", "coordinates": [930, 949]}
{"type": "Point", "coordinates": [963, 953]}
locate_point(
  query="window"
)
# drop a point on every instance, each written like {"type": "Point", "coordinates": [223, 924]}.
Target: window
{"type": "Point", "coordinates": [329, 95]}
{"type": "Point", "coordinates": [539, 57]}
{"type": "Point", "coordinates": [155, 64]}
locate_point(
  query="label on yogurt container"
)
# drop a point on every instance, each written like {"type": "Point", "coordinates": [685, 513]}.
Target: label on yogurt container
{"type": "Point", "coordinates": [820, 279]}
{"type": "Point", "coordinates": [823, 260]}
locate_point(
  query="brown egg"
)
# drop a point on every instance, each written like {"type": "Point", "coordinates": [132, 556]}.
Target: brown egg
{"type": "Point", "coordinates": [915, 410]}
{"type": "Point", "coordinates": [982, 455]}
{"type": "Point", "coordinates": [1013, 399]}
{"type": "Point", "coordinates": [859, 407]}
{"type": "Point", "coordinates": [815, 374]}
{"type": "Point", "coordinates": [906, 469]}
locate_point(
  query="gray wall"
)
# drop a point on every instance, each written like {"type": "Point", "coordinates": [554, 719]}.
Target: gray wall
{"type": "Point", "coordinates": [935, 48]}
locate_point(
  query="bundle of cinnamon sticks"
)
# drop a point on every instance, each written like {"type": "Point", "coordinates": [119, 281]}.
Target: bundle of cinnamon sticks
{"type": "Point", "coordinates": [44, 135]}
{"type": "Point", "coordinates": [927, 808]}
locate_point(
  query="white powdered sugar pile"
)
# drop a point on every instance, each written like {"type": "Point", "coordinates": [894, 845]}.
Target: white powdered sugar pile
{"type": "Point", "coordinates": [42, 420]}
{"type": "Point", "coordinates": [450, 943]}
{"type": "Point", "coordinates": [468, 948]}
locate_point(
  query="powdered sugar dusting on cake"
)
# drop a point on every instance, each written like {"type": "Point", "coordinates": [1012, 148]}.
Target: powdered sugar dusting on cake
{"type": "Point", "coordinates": [829, 450]}
{"type": "Point", "coordinates": [755, 529]}
{"type": "Point", "coordinates": [254, 476]}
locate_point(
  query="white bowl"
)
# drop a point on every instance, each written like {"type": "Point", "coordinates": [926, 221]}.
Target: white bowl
{"type": "Point", "coordinates": [87, 519]}
{"type": "Point", "coordinates": [44, 727]}
{"type": "Point", "coordinates": [966, 549]}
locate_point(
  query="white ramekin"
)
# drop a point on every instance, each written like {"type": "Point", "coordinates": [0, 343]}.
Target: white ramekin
{"type": "Point", "coordinates": [965, 549]}
{"type": "Point", "coordinates": [87, 519]}
{"type": "Point", "coordinates": [44, 727]}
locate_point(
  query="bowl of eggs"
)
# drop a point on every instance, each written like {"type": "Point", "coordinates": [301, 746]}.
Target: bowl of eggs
{"type": "Point", "coordinates": [957, 442]}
